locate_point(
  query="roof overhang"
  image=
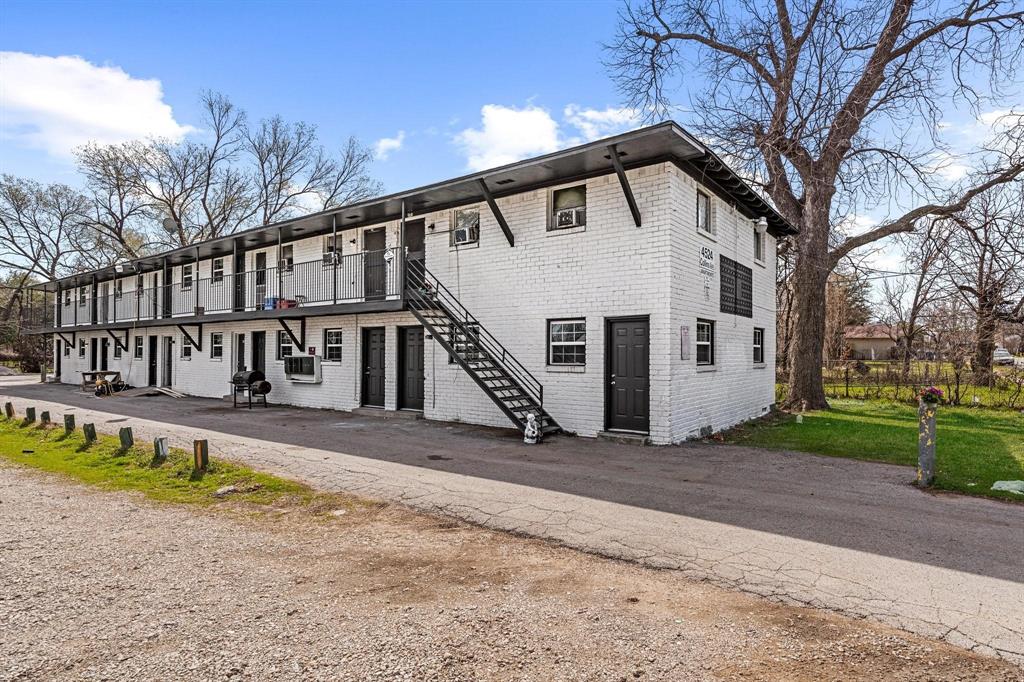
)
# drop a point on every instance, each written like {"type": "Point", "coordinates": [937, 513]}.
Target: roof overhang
{"type": "Point", "coordinates": [657, 143]}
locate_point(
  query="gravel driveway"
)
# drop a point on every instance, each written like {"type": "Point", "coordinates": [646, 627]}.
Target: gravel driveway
{"type": "Point", "coordinates": [107, 586]}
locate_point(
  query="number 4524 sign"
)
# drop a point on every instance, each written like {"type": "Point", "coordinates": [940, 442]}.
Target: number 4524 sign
{"type": "Point", "coordinates": [707, 269]}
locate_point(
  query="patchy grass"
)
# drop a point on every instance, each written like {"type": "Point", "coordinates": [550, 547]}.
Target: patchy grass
{"type": "Point", "coordinates": [975, 447]}
{"type": "Point", "coordinates": [104, 465]}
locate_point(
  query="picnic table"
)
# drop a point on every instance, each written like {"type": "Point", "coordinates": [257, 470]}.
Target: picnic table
{"type": "Point", "coordinates": [90, 377]}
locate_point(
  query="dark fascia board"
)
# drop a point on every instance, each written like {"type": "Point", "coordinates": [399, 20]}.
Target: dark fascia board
{"type": "Point", "coordinates": [666, 141]}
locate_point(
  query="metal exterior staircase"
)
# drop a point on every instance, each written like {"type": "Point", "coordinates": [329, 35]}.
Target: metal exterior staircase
{"type": "Point", "coordinates": [504, 379]}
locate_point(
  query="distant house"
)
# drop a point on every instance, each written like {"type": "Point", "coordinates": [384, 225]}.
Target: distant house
{"type": "Point", "coordinates": [871, 341]}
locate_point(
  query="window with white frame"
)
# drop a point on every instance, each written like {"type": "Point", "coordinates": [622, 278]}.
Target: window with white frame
{"type": "Point", "coordinates": [466, 226]}
{"type": "Point", "coordinates": [117, 350]}
{"type": "Point", "coordinates": [568, 208]}
{"type": "Point", "coordinates": [186, 276]}
{"type": "Point", "coordinates": [67, 297]}
{"type": "Point", "coordinates": [704, 213]}
{"type": "Point", "coordinates": [186, 349]}
{"type": "Point", "coordinates": [216, 345]}
{"type": "Point", "coordinates": [138, 347]}
{"type": "Point", "coordinates": [758, 246]}
{"type": "Point", "coordinates": [139, 285]}
{"type": "Point", "coordinates": [332, 250]}
{"type": "Point", "coordinates": [67, 349]}
{"type": "Point", "coordinates": [118, 289]}
{"type": "Point", "coordinates": [567, 342]}
{"type": "Point", "coordinates": [81, 348]}
{"type": "Point", "coordinates": [758, 346]}
{"type": "Point", "coordinates": [705, 342]}
{"type": "Point", "coordinates": [287, 263]}
{"type": "Point", "coordinates": [81, 297]}
{"type": "Point", "coordinates": [217, 273]}
{"type": "Point", "coordinates": [332, 345]}
{"type": "Point", "coordinates": [285, 349]}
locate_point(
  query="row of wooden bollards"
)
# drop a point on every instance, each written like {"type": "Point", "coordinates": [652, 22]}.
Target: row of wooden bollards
{"type": "Point", "coordinates": [200, 448]}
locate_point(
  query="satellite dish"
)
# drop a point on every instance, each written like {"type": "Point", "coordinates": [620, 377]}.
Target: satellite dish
{"type": "Point", "coordinates": [170, 224]}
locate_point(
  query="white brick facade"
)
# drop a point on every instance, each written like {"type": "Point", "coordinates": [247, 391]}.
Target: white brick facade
{"type": "Point", "coordinates": [609, 269]}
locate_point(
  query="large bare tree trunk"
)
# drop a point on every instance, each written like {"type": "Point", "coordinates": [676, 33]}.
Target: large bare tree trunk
{"type": "Point", "coordinates": [805, 381]}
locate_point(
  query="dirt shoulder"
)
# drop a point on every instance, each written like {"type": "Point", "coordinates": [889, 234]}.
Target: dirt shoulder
{"type": "Point", "coordinates": [97, 585]}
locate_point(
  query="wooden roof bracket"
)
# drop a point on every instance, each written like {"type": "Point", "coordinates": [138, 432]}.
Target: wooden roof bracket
{"type": "Point", "coordinates": [300, 340]}
{"type": "Point", "coordinates": [198, 345]}
{"type": "Point", "coordinates": [613, 154]}
{"type": "Point", "coordinates": [65, 339]}
{"type": "Point", "coordinates": [496, 212]}
{"type": "Point", "coordinates": [123, 345]}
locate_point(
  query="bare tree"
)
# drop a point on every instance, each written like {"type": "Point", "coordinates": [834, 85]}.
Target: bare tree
{"type": "Point", "coordinates": [986, 264]}
{"type": "Point", "coordinates": [905, 298]}
{"type": "Point", "coordinates": [821, 104]}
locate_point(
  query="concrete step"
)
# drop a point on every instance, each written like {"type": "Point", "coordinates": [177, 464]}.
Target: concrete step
{"type": "Point", "coordinates": [625, 438]}
{"type": "Point", "coordinates": [381, 413]}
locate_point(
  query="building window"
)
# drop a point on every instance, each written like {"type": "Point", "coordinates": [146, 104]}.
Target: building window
{"type": "Point", "coordinates": [117, 350]}
{"type": "Point", "coordinates": [705, 342]}
{"type": "Point", "coordinates": [466, 228]}
{"type": "Point", "coordinates": [568, 208]}
{"type": "Point", "coordinates": [217, 274]}
{"type": "Point", "coordinates": [287, 258]}
{"type": "Point", "coordinates": [567, 342]}
{"type": "Point", "coordinates": [332, 250]}
{"type": "Point", "coordinates": [758, 246]}
{"type": "Point", "coordinates": [81, 348]}
{"type": "Point", "coordinates": [81, 297]}
{"type": "Point", "coordinates": [67, 349]}
{"type": "Point", "coordinates": [67, 298]}
{"type": "Point", "coordinates": [285, 349]}
{"type": "Point", "coordinates": [758, 346]}
{"type": "Point", "coordinates": [332, 345]}
{"type": "Point", "coordinates": [186, 350]}
{"type": "Point", "coordinates": [118, 289]}
{"type": "Point", "coordinates": [139, 286]}
{"type": "Point", "coordinates": [216, 345]}
{"type": "Point", "coordinates": [736, 289]}
{"type": "Point", "coordinates": [138, 347]}
{"type": "Point", "coordinates": [704, 213]}
{"type": "Point", "coordinates": [186, 276]}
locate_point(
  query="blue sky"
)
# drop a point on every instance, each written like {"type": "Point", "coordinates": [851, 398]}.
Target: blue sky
{"type": "Point", "coordinates": [417, 74]}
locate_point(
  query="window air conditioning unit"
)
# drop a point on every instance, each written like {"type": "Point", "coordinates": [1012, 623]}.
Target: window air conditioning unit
{"type": "Point", "coordinates": [303, 369]}
{"type": "Point", "coordinates": [330, 258]}
{"type": "Point", "coordinates": [463, 235]}
{"type": "Point", "coordinates": [571, 217]}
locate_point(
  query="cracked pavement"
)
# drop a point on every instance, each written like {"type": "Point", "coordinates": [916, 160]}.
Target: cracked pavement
{"type": "Point", "coordinates": [851, 537]}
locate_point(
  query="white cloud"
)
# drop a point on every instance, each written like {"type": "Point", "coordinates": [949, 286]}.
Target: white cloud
{"type": "Point", "coordinates": [384, 146]}
{"type": "Point", "coordinates": [597, 123]}
{"type": "Point", "coordinates": [949, 167]}
{"type": "Point", "coordinates": [59, 103]}
{"type": "Point", "coordinates": [508, 134]}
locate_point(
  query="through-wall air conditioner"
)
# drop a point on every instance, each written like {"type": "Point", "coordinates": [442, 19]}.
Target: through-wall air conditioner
{"type": "Point", "coordinates": [463, 235]}
{"type": "Point", "coordinates": [571, 217]}
{"type": "Point", "coordinates": [330, 258]}
{"type": "Point", "coordinates": [303, 369]}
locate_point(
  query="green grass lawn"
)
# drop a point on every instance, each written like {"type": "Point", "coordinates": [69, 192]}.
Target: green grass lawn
{"type": "Point", "coordinates": [976, 447]}
{"type": "Point", "coordinates": [102, 464]}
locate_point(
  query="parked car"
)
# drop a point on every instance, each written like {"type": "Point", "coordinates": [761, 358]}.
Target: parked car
{"type": "Point", "coordinates": [1001, 356]}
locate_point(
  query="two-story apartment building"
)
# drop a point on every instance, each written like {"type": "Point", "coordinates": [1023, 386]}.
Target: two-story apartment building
{"type": "Point", "coordinates": [625, 285]}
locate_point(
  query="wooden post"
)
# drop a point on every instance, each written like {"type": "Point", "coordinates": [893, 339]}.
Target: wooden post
{"type": "Point", "coordinates": [9, 410]}
{"type": "Point", "coordinates": [201, 455]}
{"type": "Point", "coordinates": [30, 415]}
{"type": "Point", "coordinates": [44, 418]}
{"type": "Point", "coordinates": [926, 443]}
{"type": "Point", "coordinates": [126, 437]}
{"type": "Point", "coordinates": [90, 433]}
{"type": "Point", "coordinates": [160, 449]}
{"type": "Point", "coordinates": [69, 424]}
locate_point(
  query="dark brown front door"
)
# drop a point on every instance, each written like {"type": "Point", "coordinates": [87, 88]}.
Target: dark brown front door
{"type": "Point", "coordinates": [151, 377]}
{"type": "Point", "coordinates": [104, 346]}
{"type": "Point", "coordinates": [410, 368]}
{"type": "Point", "coordinates": [373, 366]}
{"type": "Point", "coordinates": [628, 379]}
{"type": "Point", "coordinates": [259, 352]}
{"type": "Point", "coordinates": [92, 353]}
{"type": "Point", "coordinates": [374, 265]}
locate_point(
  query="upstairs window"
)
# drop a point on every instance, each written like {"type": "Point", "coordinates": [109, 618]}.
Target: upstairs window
{"type": "Point", "coordinates": [186, 276]}
{"type": "Point", "coordinates": [217, 273]}
{"type": "Point", "coordinates": [567, 342]}
{"type": "Point", "coordinates": [758, 246]}
{"type": "Point", "coordinates": [287, 263]}
{"type": "Point", "coordinates": [118, 289]}
{"type": "Point", "coordinates": [332, 345]}
{"type": "Point", "coordinates": [705, 342]}
{"type": "Point", "coordinates": [138, 347]}
{"type": "Point", "coordinates": [139, 285]}
{"type": "Point", "coordinates": [332, 250]}
{"type": "Point", "coordinates": [285, 349]}
{"type": "Point", "coordinates": [758, 346]}
{"type": "Point", "coordinates": [67, 298]}
{"type": "Point", "coordinates": [736, 289]}
{"type": "Point", "coordinates": [466, 228]}
{"type": "Point", "coordinates": [704, 213]}
{"type": "Point", "coordinates": [568, 208]}
{"type": "Point", "coordinates": [81, 297]}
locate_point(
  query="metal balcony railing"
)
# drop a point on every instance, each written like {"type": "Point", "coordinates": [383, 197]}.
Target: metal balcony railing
{"type": "Point", "coordinates": [354, 278]}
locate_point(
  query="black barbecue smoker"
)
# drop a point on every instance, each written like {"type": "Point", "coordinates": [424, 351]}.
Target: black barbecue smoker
{"type": "Point", "coordinates": [251, 384]}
